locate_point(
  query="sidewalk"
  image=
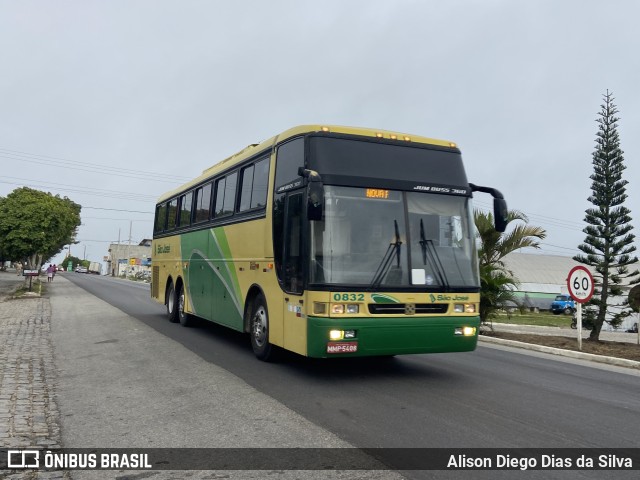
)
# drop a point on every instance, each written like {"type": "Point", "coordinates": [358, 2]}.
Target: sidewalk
{"type": "Point", "coordinates": [29, 415]}
{"type": "Point", "coordinates": [117, 383]}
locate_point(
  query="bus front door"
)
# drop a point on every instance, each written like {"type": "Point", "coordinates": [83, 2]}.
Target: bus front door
{"type": "Point", "coordinates": [294, 315]}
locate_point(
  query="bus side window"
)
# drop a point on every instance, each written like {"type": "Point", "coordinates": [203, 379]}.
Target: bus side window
{"type": "Point", "coordinates": [253, 185]}
{"type": "Point", "coordinates": [260, 183]}
{"type": "Point", "coordinates": [161, 218]}
{"type": "Point", "coordinates": [246, 181]}
{"type": "Point", "coordinates": [202, 203]}
{"type": "Point", "coordinates": [219, 205]}
{"type": "Point", "coordinates": [225, 195]}
{"type": "Point", "coordinates": [172, 214]}
{"type": "Point", "coordinates": [230, 194]}
{"type": "Point", "coordinates": [185, 209]}
{"type": "Point", "coordinates": [290, 158]}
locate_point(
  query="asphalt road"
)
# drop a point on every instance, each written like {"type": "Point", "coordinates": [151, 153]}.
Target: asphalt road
{"type": "Point", "coordinates": [492, 397]}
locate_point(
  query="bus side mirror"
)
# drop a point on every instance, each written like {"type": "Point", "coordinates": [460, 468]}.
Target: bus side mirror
{"type": "Point", "coordinates": [500, 214]}
{"type": "Point", "coordinates": [315, 193]}
{"type": "Point", "coordinates": [500, 211]}
{"type": "Point", "coordinates": [315, 200]}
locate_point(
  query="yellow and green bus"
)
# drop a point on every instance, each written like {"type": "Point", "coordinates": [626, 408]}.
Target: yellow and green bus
{"type": "Point", "coordinates": [327, 241]}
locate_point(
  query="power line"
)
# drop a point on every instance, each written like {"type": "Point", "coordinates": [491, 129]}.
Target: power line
{"type": "Point", "coordinates": [100, 192]}
{"type": "Point", "coordinates": [89, 167]}
{"type": "Point", "coordinates": [118, 210]}
{"type": "Point", "coordinates": [574, 249]}
{"type": "Point", "coordinates": [118, 219]}
{"type": "Point", "coordinates": [543, 220]}
{"type": "Point", "coordinates": [96, 241]}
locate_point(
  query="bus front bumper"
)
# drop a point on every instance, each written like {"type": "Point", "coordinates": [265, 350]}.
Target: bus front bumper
{"type": "Point", "coordinates": [380, 336]}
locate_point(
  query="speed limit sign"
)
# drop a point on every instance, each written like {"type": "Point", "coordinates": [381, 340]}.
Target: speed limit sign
{"type": "Point", "coordinates": [580, 284]}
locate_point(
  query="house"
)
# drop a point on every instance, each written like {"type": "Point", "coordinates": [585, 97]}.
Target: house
{"type": "Point", "coordinates": [126, 259]}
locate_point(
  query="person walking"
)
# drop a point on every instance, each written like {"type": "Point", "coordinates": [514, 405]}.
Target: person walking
{"type": "Point", "coordinates": [50, 273]}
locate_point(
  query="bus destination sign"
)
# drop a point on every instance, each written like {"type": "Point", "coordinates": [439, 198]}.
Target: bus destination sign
{"type": "Point", "coordinates": [376, 193]}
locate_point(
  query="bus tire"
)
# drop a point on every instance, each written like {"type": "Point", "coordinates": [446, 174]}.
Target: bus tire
{"type": "Point", "coordinates": [172, 304]}
{"type": "Point", "coordinates": [259, 329]}
{"type": "Point", "coordinates": [186, 320]}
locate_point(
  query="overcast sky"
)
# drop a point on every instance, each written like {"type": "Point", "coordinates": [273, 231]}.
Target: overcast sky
{"type": "Point", "coordinates": [112, 103]}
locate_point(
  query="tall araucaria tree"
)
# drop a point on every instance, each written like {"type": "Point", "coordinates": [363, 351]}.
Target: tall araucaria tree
{"type": "Point", "coordinates": [609, 244]}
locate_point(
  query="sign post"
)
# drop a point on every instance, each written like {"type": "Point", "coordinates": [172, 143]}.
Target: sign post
{"type": "Point", "coordinates": [580, 284]}
{"type": "Point", "coordinates": [30, 274]}
{"type": "Point", "coordinates": [634, 302]}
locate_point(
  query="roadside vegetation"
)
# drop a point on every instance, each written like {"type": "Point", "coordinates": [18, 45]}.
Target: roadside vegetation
{"type": "Point", "coordinates": [609, 245]}
{"type": "Point", "coordinates": [35, 226]}
{"type": "Point", "coordinates": [541, 319]}
{"type": "Point", "coordinates": [565, 339]}
{"type": "Point", "coordinates": [37, 289]}
{"type": "Point", "coordinates": [628, 351]}
{"type": "Point", "coordinates": [497, 283]}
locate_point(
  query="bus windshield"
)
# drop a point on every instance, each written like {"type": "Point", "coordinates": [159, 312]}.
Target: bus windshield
{"type": "Point", "coordinates": [372, 238]}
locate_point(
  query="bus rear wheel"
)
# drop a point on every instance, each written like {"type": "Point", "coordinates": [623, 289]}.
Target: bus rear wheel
{"type": "Point", "coordinates": [259, 329]}
{"type": "Point", "coordinates": [185, 319]}
{"type": "Point", "coordinates": [172, 304]}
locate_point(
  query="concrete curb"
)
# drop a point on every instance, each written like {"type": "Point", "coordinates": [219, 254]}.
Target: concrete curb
{"type": "Point", "coordinates": [620, 362]}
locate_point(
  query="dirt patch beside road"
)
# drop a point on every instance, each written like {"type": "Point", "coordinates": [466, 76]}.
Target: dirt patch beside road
{"type": "Point", "coordinates": [627, 351]}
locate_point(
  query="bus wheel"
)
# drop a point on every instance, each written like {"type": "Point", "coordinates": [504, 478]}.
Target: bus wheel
{"type": "Point", "coordinates": [172, 304]}
{"type": "Point", "coordinates": [185, 319]}
{"type": "Point", "coordinates": [259, 329]}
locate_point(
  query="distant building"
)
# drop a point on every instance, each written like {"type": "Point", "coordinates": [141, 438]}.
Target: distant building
{"type": "Point", "coordinates": [125, 259]}
{"type": "Point", "coordinates": [542, 277]}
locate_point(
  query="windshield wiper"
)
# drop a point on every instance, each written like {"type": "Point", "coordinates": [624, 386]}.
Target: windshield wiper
{"type": "Point", "coordinates": [387, 260]}
{"type": "Point", "coordinates": [430, 254]}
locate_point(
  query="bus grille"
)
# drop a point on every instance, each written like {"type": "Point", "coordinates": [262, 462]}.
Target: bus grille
{"type": "Point", "coordinates": [155, 280]}
{"type": "Point", "coordinates": [407, 308]}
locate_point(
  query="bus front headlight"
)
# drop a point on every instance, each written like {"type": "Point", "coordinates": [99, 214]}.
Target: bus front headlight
{"type": "Point", "coordinates": [465, 331]}
{"type": "Point", "coordinates": [340, 308]}
{"type": "Point", "coordinates": [464, 308]}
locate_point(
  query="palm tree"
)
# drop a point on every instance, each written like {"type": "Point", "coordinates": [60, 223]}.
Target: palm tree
{"type": "Point", "coordinates": [496, 291]}
{"type": "Point", "coordinates": [497, 284]}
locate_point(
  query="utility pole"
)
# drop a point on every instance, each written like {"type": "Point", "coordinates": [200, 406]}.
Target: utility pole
{"type": "Point", "coordinates": [129, 244]}
{"type": "Point", "coordinates": [117, 269]}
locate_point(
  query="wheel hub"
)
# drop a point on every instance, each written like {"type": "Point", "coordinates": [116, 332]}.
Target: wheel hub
{"type": "Point", "coordinates": [260, 326]}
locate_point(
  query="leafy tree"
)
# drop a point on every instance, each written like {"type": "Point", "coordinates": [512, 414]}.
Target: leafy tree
{"type": "Point", "coordinates": [75, 261]}
{"type": "Point", "coordinates": [3, 257]}
{"type": "Point", "coordinates": [35, 225]}
{"type": "Point", "coordinates": [608, 246]}
{"type": "Point", "coordinates": [497, 284]}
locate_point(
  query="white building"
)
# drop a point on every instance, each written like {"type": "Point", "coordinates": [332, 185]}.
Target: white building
{"type": "Point", "coordinates": [126, 260]}
{"type": "Point", "coordinates": [542, 277]}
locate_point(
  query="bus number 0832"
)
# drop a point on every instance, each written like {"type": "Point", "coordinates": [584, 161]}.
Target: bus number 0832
{"type": "Point", "coordinates": [348, 297]}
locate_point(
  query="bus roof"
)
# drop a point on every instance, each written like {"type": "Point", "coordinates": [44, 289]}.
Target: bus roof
{"type": "Point", "coordinates": [256, 148]}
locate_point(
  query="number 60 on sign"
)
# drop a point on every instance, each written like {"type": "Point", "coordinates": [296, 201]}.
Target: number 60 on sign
{"type": "Point", "coordinates": [580, 284]}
